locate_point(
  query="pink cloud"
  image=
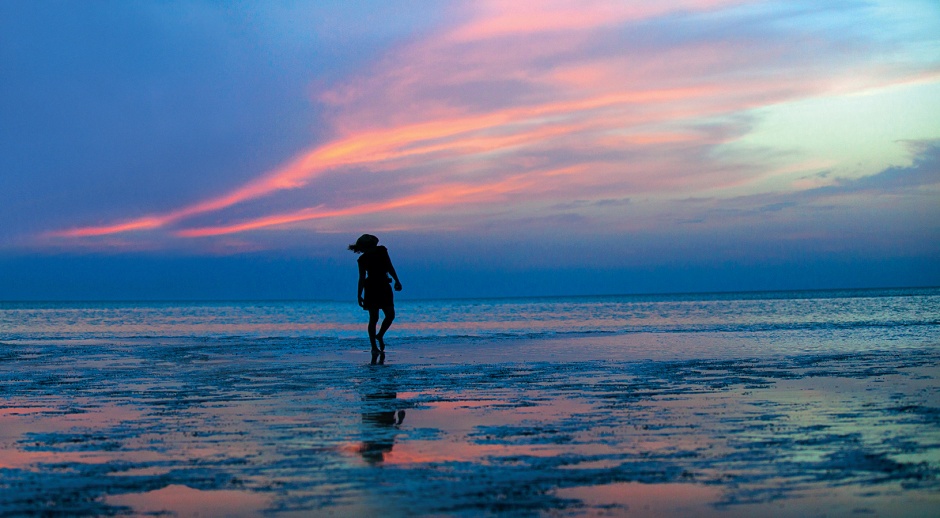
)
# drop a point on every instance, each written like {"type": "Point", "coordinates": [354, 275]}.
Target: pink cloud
{"type": "Point", "coordinates": [455, 137]}
{"type": "Point", "coordinates": [494, 18]}
{"type": "Point", "coordinates": [532, 101]}
{"type": "Point", "coordinates": [117, 228]}
{"type": "Point", "coordinates": [437, 196]}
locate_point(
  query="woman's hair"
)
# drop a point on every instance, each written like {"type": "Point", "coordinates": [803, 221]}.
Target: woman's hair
{"type": "Point", "coordinates": [365, 242]}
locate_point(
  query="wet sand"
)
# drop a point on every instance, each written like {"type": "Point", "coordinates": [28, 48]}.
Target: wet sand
{"type": "Point", "coordinates": [566, 427]}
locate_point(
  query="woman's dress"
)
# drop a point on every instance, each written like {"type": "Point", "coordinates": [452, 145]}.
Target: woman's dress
{"type": "Point", "coordinates": [378, 292]}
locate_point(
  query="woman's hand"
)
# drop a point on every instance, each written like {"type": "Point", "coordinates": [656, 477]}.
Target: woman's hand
{"type": "Point", "coordinates": [397, 286]}
{"type": "Point", "coordinates": [362, 302]}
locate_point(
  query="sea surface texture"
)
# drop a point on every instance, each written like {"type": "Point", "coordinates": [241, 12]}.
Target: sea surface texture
{"type": "Point", "coordinates": [783, 404]}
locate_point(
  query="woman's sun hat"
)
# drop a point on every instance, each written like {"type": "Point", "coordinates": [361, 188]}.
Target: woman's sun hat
{"type": "Point", "coordinates": [365, 241]}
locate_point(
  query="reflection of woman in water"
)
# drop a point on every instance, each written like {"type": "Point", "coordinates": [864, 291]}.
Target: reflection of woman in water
{"type": "Point", "coordinates": [382, 413]}
{"type": "Point", "coordinates": [379, 425]}
{"type": "Point", "coordinates": [374, 292]}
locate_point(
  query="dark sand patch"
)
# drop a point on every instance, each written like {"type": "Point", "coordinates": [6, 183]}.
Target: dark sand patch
{"type": "Point", "coordinates": [539, 427]}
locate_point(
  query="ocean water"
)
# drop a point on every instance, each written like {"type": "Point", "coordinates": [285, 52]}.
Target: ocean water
{"type": "Point", "coordinates": [727, 405]}
{"type": "Point", "coordinates": [752, 323]}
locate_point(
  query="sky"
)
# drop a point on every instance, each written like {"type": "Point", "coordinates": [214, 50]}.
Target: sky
{"type": "Point", "coordinates": [231, 150]}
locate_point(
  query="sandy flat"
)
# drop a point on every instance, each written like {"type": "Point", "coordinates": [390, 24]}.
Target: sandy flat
{"type": "Point", "coordinates": [590, 426]}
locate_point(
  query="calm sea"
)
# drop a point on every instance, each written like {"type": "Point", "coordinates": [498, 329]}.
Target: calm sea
{"type": "Point", "coordinates": [883, 317]}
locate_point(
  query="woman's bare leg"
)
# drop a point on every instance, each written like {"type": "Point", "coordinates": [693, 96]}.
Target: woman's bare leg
{"type": "Point", "coordinates": [373, 319]}
{"type": "Point", "coordinates": [386, 322]}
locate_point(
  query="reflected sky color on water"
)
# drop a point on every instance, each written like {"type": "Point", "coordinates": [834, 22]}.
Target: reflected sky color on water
{"type": "Point", "coordinates": [287, 431]}
{"type": "Point", "coordinates": [735, 404]}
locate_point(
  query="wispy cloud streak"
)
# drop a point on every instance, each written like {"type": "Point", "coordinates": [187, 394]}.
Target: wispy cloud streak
{"type": "Point", "coordinates": [545, 100]}
{"type": "Point", "coordinates": [453, 138]}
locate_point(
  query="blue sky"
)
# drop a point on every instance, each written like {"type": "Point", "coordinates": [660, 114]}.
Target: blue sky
{"type": "Point", "coordinates": [232, 149]}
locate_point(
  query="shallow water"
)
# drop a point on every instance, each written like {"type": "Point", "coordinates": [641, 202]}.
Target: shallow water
{"type": "Point", "coordinates": [119, 429]}
{"type": "Point", "coordinates": [728, 406]}
{"type": "Point", "coordinates": [913, 314]}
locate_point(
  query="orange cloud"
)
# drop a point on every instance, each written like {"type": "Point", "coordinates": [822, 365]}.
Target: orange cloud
{"type": "Point", "coordinates": [495, 18]}
{"type": "Point", "coordinates": [457, 136]}
{"type": "Point", "coordinates": [437, 196]}
{"type": "Point", "coordinates": [501, 115]}
{"type": "Point", "coordinates": [137, 224]}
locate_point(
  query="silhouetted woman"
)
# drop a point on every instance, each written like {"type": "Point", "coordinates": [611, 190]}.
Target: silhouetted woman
{"type": "Point", "coordinates": [374, 292]}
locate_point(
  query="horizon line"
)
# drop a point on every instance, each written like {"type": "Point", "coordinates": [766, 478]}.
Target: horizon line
{"type": "Point", "coordinates": [498, 297]}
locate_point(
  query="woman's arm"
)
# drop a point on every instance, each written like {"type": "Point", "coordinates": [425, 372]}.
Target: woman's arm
{"type": "Point", "coordinates": [361, 285]}
{"type": "Point", "coordinates": [391, 271]}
